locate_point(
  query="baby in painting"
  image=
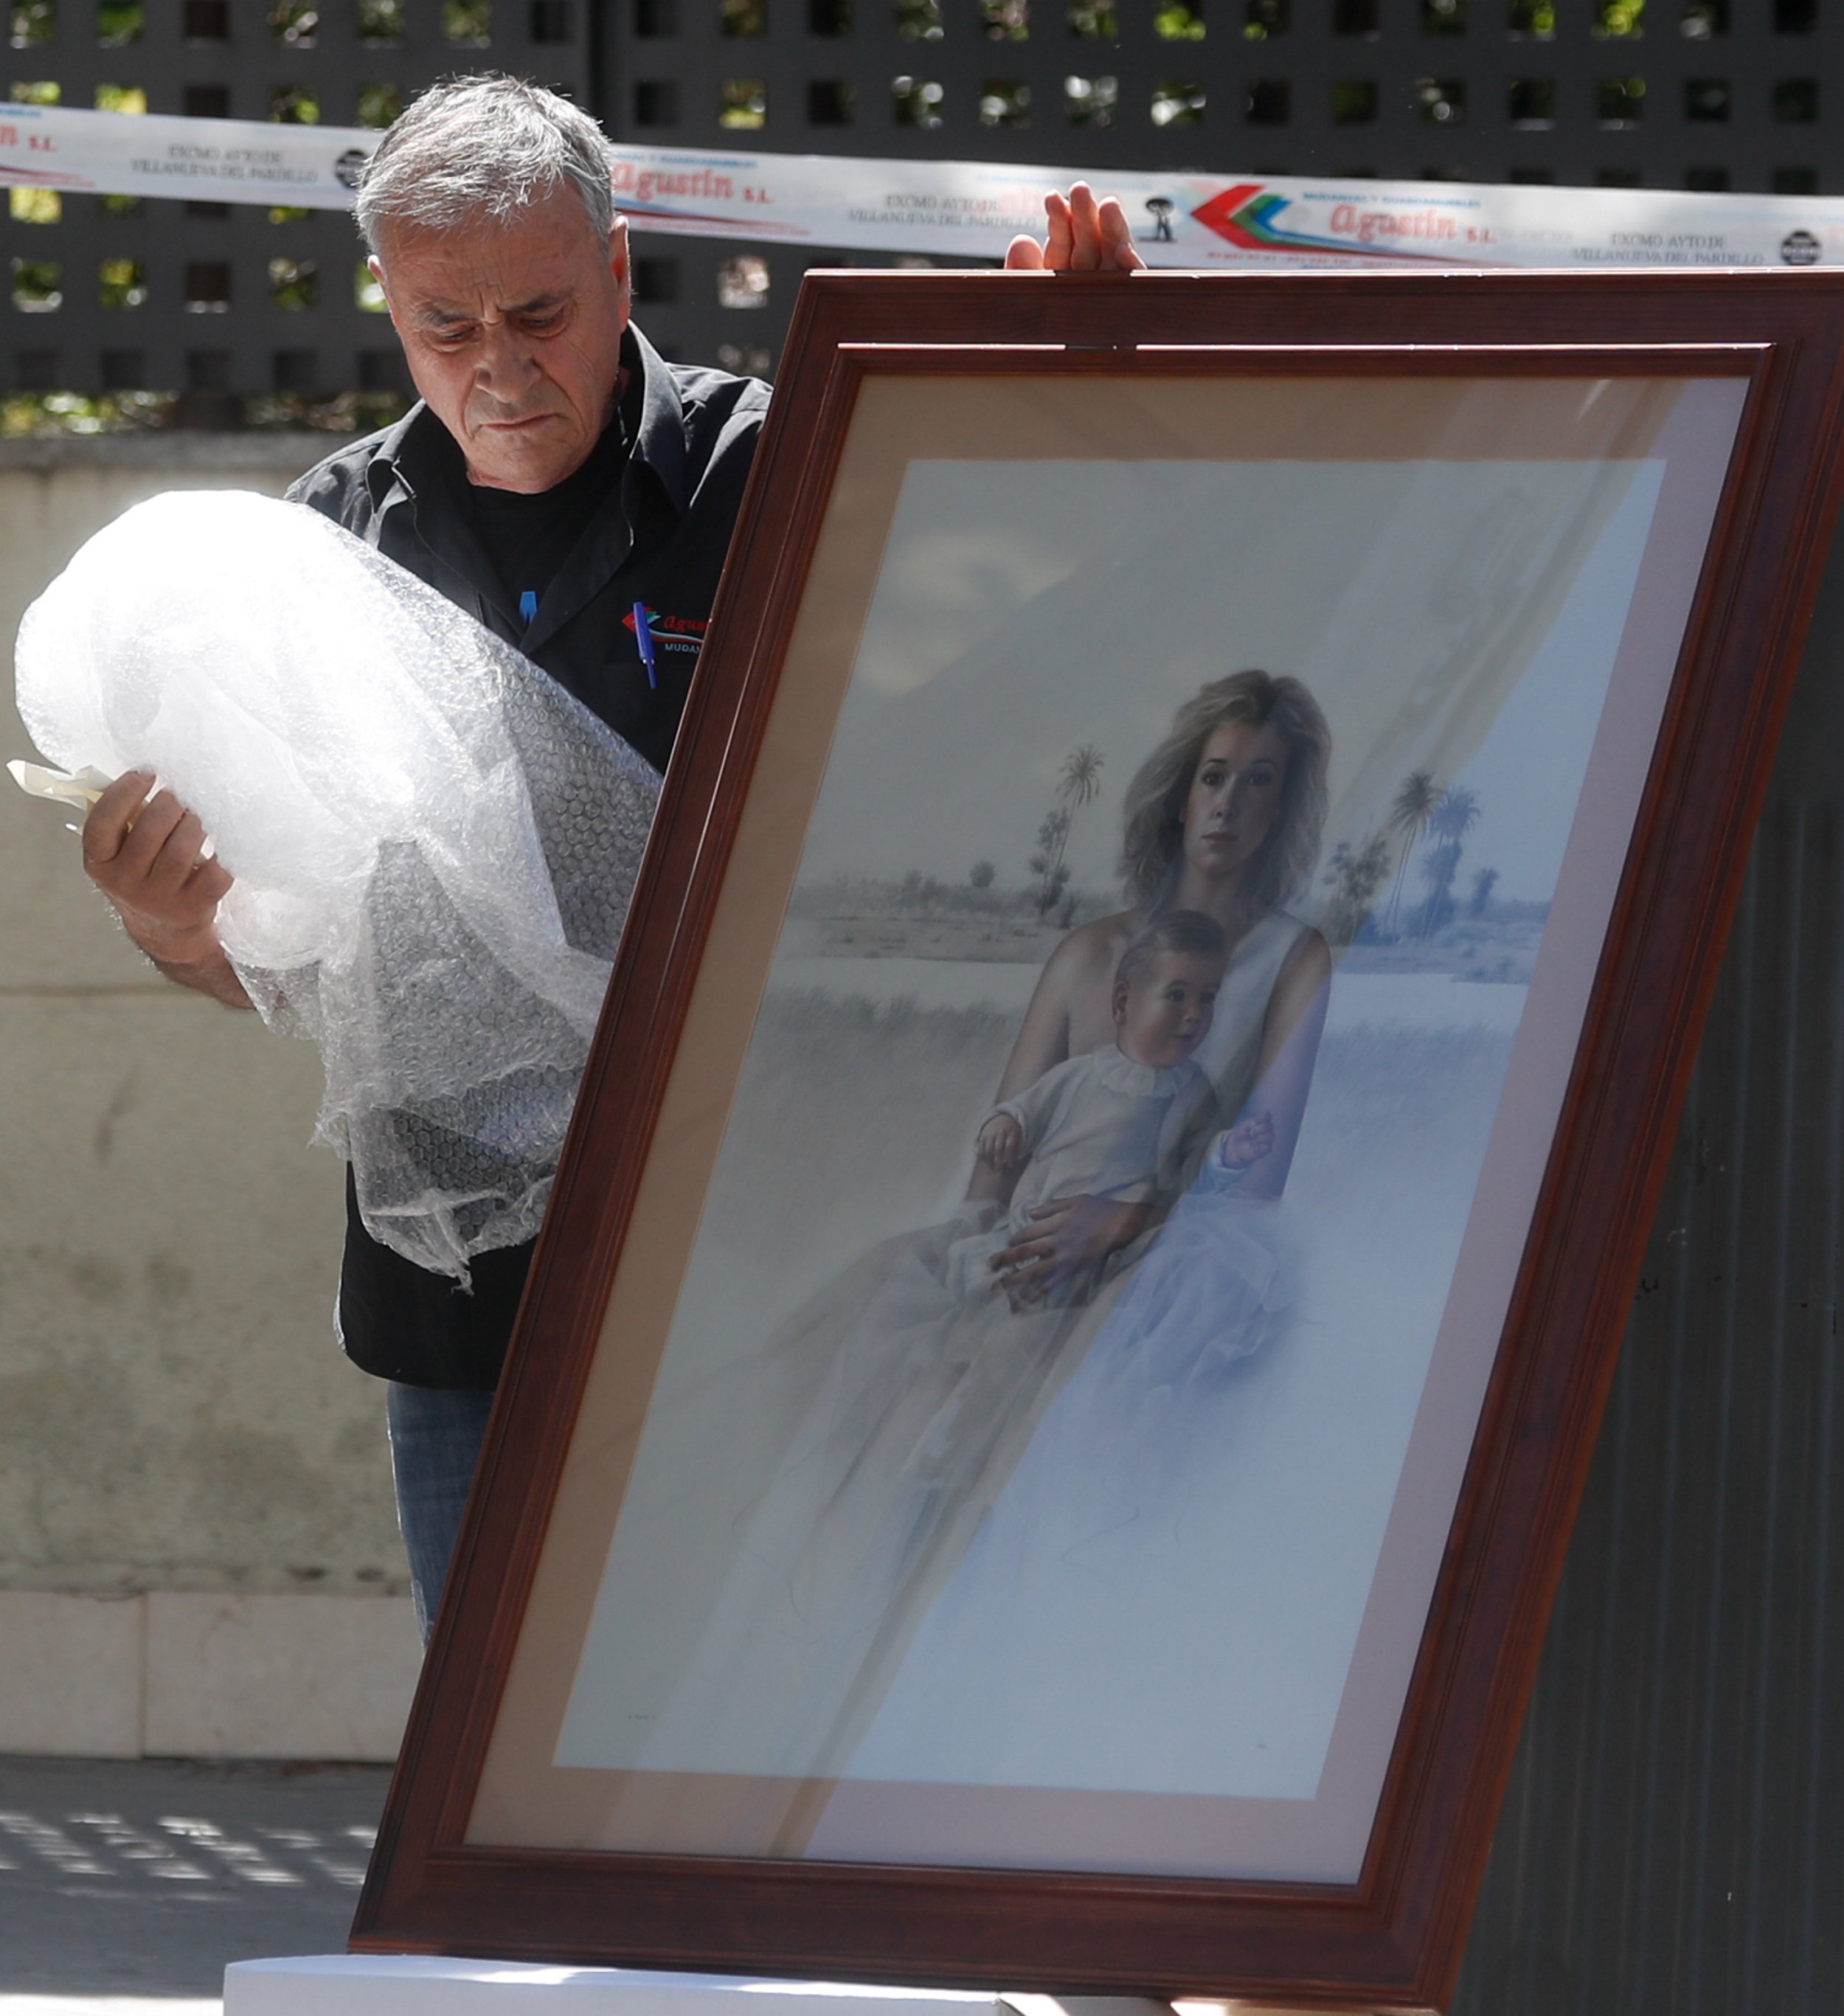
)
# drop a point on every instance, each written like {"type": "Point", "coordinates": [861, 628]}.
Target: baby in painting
{"type": "Point", "coordinates": [1123, 1123]}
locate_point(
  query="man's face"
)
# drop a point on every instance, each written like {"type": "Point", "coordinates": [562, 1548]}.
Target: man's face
{"type": "Point", "coordinates": [513, 334]}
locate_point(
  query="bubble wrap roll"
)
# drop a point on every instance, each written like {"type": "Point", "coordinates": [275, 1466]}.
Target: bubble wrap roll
{"type": "Point", "coordinates": [433, 844]}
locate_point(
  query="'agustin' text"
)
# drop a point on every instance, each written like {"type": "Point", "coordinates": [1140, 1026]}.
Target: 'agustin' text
{"type": "Point", "coordinates": [1368, 225]}
{"type": "Point", "coordinates": [644, 184]}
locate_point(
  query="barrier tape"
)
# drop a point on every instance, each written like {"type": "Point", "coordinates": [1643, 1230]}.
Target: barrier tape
{"type": "Point", "coordinates": [206, 160]}
{"type": "Point", "coordinates": [974, 208]}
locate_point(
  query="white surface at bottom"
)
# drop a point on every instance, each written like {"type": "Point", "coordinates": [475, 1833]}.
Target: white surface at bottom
{"type": "Point", "coordinates": [106, 2005]}
{"type": "Point", "coordinates": [413, 1984]}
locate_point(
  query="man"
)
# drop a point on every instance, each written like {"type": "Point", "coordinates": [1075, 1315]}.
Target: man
{"type": "Point", "coordinates": [556, 473]}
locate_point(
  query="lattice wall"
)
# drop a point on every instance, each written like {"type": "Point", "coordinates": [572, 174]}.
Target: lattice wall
{"type": "Point", "coordinates": [1698, 94]}
{"type": "Point", "coordinates": [109, 293]}
{"type": "Point", "coordinates": [1706, 93]}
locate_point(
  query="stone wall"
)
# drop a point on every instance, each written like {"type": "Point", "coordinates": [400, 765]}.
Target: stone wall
{"type": "Point", "coordinates": [198, 1553]}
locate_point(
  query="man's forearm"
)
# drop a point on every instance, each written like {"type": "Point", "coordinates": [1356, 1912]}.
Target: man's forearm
{"type": "Point", "coordinates": [218, 980]}
{"type": "Point", "coordinates": [195, 960]}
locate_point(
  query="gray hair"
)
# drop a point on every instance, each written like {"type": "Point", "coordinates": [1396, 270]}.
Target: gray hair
{"type": "Point", "coordinates": [1154, 838]}
{"type": "Point", "coordinates": [486, 146]}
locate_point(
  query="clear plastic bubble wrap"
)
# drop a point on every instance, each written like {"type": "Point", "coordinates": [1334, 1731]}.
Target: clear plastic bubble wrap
{"type": "Point", "coordinates": [434, 843]}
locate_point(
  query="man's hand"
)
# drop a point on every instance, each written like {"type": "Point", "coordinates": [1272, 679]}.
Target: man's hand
{"type": "Point", "coordinates": [147, 856]}
{"type": "Point", "coordinates": [1085, 237]}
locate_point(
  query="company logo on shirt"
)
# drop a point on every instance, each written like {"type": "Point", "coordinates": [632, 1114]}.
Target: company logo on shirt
{"type": "Point", "coordinates": [672, 633]}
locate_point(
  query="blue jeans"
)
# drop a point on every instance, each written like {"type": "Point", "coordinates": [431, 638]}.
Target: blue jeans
{"type": "Point", "coordinates": [436, 1433]}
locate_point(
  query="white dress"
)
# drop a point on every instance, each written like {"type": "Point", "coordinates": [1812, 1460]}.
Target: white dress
{"type": "Point", "coordinates": [927, 1400]}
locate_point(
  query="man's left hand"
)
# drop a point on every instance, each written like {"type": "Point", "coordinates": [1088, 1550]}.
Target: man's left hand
{"type": "Point", "coordinates": [1084, 236]}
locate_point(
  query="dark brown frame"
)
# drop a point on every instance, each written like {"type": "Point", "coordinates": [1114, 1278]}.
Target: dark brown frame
{"type": "Point", "coordinates": [1396, 1937]}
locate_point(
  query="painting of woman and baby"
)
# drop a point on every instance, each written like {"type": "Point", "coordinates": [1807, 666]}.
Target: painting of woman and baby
{"type": "Point", "coordinates": [1121, 1216]}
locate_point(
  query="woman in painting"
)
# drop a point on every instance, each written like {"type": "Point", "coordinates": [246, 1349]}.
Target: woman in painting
{"type": "Point", "coordinates": [922, 1396]}
{"type": "Point", "coordinates": [1223, 818]}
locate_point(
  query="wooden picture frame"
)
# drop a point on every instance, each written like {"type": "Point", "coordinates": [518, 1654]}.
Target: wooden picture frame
{"type": "Point", "coordinates": [1668, 445]}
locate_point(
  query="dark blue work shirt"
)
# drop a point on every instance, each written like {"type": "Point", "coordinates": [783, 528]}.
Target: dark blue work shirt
{"type": "Point", "coordinates": [658, 501]}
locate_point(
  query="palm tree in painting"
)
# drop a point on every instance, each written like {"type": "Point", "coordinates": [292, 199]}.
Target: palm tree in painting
{"type": "Point", "coordinates": [1412, 808]}
{"type": "Point", "coordinates": [1078, 784]}
{"type": "Point", "coordinates": [1455, 815]}
{"type": "Point", "coordinates": [1082, 776]}
{"type": "Point", "coordinates": [1452, 820]}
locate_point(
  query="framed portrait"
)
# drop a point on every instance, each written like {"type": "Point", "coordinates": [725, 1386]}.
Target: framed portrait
{"type": "Point", "coordinates": [1074, 1314]}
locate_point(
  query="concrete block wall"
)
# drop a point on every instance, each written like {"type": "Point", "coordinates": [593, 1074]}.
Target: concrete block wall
{"type": "Point", "coordinates": [198, 1552]}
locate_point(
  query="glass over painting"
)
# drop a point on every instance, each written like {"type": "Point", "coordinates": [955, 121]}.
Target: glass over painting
{"type": "Point", "coordinates": [1088, 1197]}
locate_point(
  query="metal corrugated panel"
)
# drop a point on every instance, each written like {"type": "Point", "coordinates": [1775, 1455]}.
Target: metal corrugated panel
{"type": "Point", "coordinates": [1673, 1839]}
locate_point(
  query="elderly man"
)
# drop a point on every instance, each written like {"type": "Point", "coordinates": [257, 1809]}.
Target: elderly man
{"type": "Point", "coordinates": [556, 473]}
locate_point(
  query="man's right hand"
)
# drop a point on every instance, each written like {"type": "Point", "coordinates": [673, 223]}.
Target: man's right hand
{"type": "Point", "coordinates": [146, 854]}
{"type": "Point", "coordinates": [1081, 236]}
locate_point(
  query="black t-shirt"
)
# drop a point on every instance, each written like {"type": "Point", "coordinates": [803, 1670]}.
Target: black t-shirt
{"type": "Point", "coordinates": [528, 535]}
{"type": "Point", "coordinates": [647, 519]}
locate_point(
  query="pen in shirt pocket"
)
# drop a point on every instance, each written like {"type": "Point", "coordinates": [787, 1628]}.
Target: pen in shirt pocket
{"type": "Point", "coordinates": [643, 636]}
